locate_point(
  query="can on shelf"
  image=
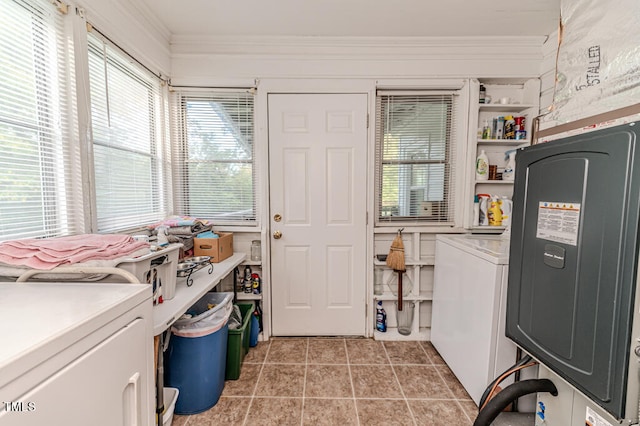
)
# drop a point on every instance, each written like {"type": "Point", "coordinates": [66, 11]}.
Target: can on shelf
{"type": "Point", "coordinates": [520, 123]}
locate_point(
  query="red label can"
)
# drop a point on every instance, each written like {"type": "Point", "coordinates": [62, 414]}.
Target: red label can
{"type": "Point", "coordinates": [519, 123]}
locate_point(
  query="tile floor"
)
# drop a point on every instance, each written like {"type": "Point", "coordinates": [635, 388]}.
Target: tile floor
{"type": "Point", "coordinates": [340, 381]}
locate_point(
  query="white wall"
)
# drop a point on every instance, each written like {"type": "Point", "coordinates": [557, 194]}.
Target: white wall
{"type": "Point", "coordinates": [133, 29]}
{"type": "Point", "coordinates": [548, 72]}
{"type": "Point", "coordinates": [226, 61]}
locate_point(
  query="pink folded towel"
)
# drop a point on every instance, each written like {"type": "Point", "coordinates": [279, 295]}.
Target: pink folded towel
{"type": "Point", "coordinates": [46, 254]}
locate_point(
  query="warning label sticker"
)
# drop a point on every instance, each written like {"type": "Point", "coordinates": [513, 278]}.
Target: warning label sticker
{"type": "Point", "coordinates": [558, 222]}
{"type": "Point", "coordinates": [594, 419]}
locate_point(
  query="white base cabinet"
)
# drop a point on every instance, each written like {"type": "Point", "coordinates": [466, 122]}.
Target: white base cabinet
{"type": "Point", "coordinates": [76, 354]}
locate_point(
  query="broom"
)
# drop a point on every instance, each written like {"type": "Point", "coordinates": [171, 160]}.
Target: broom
{"type": "Point", "coordinates": [395, 261]}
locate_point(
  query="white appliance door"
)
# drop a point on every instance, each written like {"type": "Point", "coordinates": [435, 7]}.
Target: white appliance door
{"type": "Point", "coordinates": [317, 163]}
{"type": "Point", "coordinates": [104, 387]}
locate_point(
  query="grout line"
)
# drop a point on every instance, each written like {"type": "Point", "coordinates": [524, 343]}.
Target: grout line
{"type": "Point", "coordinates": [353, 388]}
{"type": "Point", "coordinates": [404, 397]}
{"type": "Point", "coordinates": [255, 387]}
{"type": "Point", "coordinates": [304, 382]}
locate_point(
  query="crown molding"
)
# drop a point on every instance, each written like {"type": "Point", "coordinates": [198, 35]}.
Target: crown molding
{"type": "Point", "coordinates": [335, 47]}
{"type": "Point", "coordinates": [143, 13]}
{"type": "Point", "coordinates": [130, 27]}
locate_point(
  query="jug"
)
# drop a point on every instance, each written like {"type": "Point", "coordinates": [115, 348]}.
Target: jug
{"type": "Point", "coordinates": [506, 205]}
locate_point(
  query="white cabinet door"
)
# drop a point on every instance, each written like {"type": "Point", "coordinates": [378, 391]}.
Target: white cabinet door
{"type": "Point", "coordinates": [107, 386]}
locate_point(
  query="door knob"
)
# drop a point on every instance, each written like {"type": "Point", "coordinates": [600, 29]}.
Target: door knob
{"type": "Point", "coordinates": [277, 235]}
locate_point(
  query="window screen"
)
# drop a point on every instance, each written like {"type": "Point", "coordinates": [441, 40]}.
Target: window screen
{"type": "Point", "coordinates": [36, 174]}
{"type": "Point", "coordinates": [131, 161]}
{"type": "Point", "coordinates": [414, 151]}
{"type": "Point", "coordinates": [215, 170]}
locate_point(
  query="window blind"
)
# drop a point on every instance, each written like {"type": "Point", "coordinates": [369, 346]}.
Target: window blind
{"type": "Point", "coordinates": [36, 169]}
{"type": "Point", "coordinates": [414, 151]}
{"type": "Point", "coordinates": [215, 170]}
{"type": "Point", "coordinates": [130, 150]}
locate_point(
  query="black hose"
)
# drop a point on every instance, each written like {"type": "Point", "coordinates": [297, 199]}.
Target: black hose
{"type": "Point", "coordinates": [524, 360]}
{"type": "Point", "coordinates": [498, 403]}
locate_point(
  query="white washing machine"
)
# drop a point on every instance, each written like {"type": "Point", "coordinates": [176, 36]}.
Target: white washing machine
{"type": "Point", "coordinates": [469, 303]}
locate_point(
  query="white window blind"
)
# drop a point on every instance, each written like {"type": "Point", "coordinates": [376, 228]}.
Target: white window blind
{"type": "Point", "coordinates": [215, 171]}
{"type": "Point", "coordinates": [36, 181]}
{"type": "Point", "coordinates": [414, 151]}
{"type": "Point", "coordinates": [130, 153]}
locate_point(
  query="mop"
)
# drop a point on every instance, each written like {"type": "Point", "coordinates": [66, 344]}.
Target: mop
{"type": "Point", "coordinates": [395, 261]}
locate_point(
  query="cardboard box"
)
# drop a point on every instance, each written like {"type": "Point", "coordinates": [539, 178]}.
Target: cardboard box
{"type": "Point", "coordinates": [218, 248]}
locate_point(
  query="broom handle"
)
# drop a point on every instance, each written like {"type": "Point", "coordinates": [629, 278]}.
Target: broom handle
{"type": "Point", "coordinates": [399, 290]}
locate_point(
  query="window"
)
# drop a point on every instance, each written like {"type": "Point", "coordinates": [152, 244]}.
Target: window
{"type": "Point", "coordinates": [131, 161]}
{"type": "Point", "coordinates": [215, 176]}
{"type": "Point", "coordinates": [36, 182]}
{"type": "Point", "coordinates": [414, 152]}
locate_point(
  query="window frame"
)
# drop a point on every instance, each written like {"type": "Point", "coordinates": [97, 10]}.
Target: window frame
{"type": "Point", "coordinates": [52, 124]}
{"type": "Point", "coordinates": [451, 159]}
{"type": "Point", "coordinates": [181, 176]}
{"type": "Point", "coordinates": [158, 153]}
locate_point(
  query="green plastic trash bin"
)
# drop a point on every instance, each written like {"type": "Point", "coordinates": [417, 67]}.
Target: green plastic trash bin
{"type": "Point", "coordinates": [238, 343]}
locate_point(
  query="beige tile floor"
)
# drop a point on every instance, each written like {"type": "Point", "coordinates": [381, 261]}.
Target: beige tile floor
{"type": "Point", "coordinates": [340, 381]}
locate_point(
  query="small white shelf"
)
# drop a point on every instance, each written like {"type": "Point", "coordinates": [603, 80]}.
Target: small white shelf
{"type": "Point", "coordinates": [390, 296]}
{"type": "Point", "coordinates": [494, 182]}
{"type": "Point", "coordinates": [392, 335]}
{"type": "Point", "coordinates": [502, 142]}
{"type": "Point", "coordinates": [505, 107]}
{"type": "Point", "coordinates": [252, 262]}
{"type": "Point", "coordinates": [249, 296]}
{"type": "Point", "coordinates": [424, 261]}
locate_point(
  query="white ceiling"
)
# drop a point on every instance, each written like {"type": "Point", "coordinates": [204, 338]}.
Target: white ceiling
{"type": "Point", "coordinates": [354, 18]}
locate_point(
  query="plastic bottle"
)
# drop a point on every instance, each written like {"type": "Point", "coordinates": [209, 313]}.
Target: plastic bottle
{"type": "Point", "coordinates": [483, 94]}
{"type": "Point", "coordinates": [506, 206]}
{"type": "Point", "coordinates": [499, 133]}
{"type": "Point", "coordinates": [476, 210]}
{"type": "Point", "coordinates": [509, 127]}
{"type": "Point", "coordinates": [381, 318]}
{"type": "Point", "coordinates": [510, 169]}
{"type": "Point", "coordinates": [484, 209]}
{"type": "Point", "coordinates": [486, 130]}
{"type": "Point", "coordinates": [495, 213]}
{"type": "Point", "coordinates": [482, 166]}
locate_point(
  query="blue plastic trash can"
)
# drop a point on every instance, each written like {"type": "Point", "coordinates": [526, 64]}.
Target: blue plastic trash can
{"type": "Point", "coordinates": [195, 360]}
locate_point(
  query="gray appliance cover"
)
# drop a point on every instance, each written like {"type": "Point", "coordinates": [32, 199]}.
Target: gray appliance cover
{"type": "Point", "coordinates": [572, 269]}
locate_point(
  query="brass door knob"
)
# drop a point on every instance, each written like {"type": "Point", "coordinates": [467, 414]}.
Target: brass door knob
{"type": "Point", "coordinates": [277, 235]}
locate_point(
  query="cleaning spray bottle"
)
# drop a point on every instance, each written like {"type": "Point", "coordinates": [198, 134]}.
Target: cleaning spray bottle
{"type": "Point", "coordinates": [510, 169]}
{"type": "Point", "coordinates": [381, 318]}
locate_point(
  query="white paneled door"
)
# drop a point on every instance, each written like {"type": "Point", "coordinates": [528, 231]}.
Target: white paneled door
{"type": "Point", "coordinates": [317, 166]}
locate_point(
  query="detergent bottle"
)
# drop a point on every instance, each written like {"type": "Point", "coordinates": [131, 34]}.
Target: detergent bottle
{"type": "Point", "coordinates": [506, 206]}
{"type": "Point", "coordinates": [495, 213]}
{"type": "Point", "coordinates": [510, 169]}
{"type": "Point", "coordinates": [482, 166]}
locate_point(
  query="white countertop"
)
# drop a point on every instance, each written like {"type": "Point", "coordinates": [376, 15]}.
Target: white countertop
{"type": "Point", "coordinates": [34, 317]}
{"type": "Point", "coordinates": [167, 312]}
{"type": "Point", "coordinates": [493, 248]}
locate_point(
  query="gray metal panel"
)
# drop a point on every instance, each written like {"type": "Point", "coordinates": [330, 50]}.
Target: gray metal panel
{"type": "Point", "coordinates": [574, 313]}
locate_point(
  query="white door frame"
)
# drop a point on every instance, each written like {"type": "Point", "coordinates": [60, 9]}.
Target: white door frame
{"type": "Point", "coordinates": [308, 86]}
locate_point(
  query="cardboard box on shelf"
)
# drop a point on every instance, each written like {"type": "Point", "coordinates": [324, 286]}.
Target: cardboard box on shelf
{"type": "Point", "coordinates": [217, 248]}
